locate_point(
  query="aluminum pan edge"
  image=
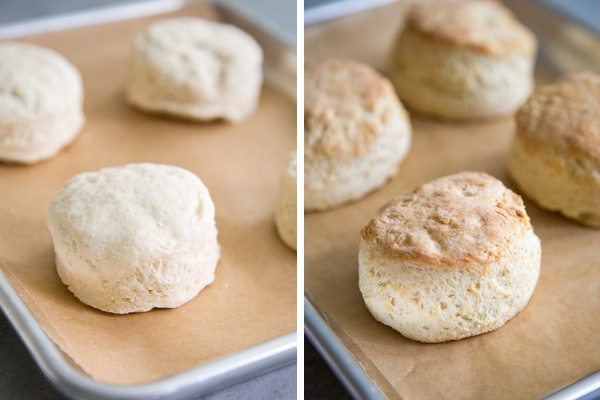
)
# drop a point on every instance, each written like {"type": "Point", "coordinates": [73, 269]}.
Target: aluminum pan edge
{"type": "Point", "coordinates": [339, 359]}
{"type": "Point", "coordinates": [358, 384]}
{"type": "Point", "coordinates": [203, 379]}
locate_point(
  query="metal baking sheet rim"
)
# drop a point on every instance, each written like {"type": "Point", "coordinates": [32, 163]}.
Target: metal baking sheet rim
{"type": "Point", "coordinates": [357, 382]}
{"type": "Point", "coordinates": [203, 379]}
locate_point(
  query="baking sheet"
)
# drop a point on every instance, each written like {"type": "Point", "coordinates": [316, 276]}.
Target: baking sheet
{"type": "Point", "coordinates": [253, 296]}
{"type": "Point", "coordinates": [554, 341]}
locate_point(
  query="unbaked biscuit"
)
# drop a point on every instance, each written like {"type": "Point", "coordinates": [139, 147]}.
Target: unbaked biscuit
{"type": "Point", "coordinates": [454, 258]}
{"type": "Point", "coordinates": [356, 132]}
{"type": "Point", "coordinates": [41, 101]}
{"type": "Point", "coordinates": [133, 238]}
{"type": "Point", "coordinates": [195, 69]}
{"type": "Point", "coordinates": [555, 155]}
{"type": "Point", "coordinates": [463, 59]}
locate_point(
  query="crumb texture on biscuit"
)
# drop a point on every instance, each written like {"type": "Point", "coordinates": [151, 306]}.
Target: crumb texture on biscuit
{"type": "Point", "coordinates": [136, 237]}
{"type": "Point", "coordinates": [455, 258]}
{"type": "Point", "coordinates": [555, 155]}
{"type": "Point", "coordinates": [465, 220]}
{"type": "Point", "coordinates": [483, 25]}
{"type": "Point", "coordinates": [356, 132]}
{"type": "Point", "coordinates": [346, 106]}
{"type": "Point", "coordinates": [557, 180]}
{"type": "Point", "coordinates": [565, 114]}
{"type": "Point", "coordinates": [432, 305]}
{"type": "Point", "coordinates": [195, 68]}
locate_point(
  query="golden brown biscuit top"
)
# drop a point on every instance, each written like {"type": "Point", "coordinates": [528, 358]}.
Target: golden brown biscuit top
{"type": "Point", "coordinates": [458, 221]}
{"type": "Point", "coordinates": [346, 106]}
{"type": "Point", "coordinates": [486, 26]}
{"type": "Point", "coordinates": [565, 114]}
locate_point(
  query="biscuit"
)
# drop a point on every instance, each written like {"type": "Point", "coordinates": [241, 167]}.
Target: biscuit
{"type": "Point", "coordinates": [463, 59]}
{"type": "Point", "coordinates": [196, 69]}
{"type": "Point", "coordinates": [555, 155]}
{"type": "Point", "coordinates": [456, 257]}
{"type": "Point", "coordinates": [133, 238]}
{"type": "Point", "coordinates": [356, 132]}
{"type": "Point", "coordinates": [41, 100]}
{"type": "Point", "coordinates": [285, 216]}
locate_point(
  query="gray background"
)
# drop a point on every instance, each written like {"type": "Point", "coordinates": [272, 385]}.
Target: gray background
{"type": "Point", "coordinates": [19, 376]}
{"type": "Point", "coordinates": [585, 12]}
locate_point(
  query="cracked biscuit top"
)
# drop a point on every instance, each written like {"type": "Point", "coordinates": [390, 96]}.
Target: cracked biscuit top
{"type": "Point", "coordinates": [347, 106]}
{"type": "Point", "coordinates": [465, 221]}
{"type": "Point", "coordinates": [565, 114]}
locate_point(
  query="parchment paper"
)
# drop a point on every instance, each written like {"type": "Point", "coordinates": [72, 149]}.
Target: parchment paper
{"type": "Point", "coordinates": [554, 341]}
{"type": "Point", "coordinates": [253, 296]}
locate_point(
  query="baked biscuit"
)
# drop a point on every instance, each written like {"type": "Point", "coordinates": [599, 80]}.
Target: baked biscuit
{"type": "Point", "coordinates": [356, 132]}
{"type": "Point", "coordinates": [463, 59]}
{"type": "Point", "coordinates": [454, 258]}
{"type": "Point", "coordinates": [555, 155]}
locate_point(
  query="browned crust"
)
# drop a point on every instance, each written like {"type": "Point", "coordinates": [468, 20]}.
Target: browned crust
{"type": "Point", "coordinates": [458, 221]}
{"type": "Point", "coordinates": [346, 103]}
{"type": "Point", "coordinates": [485, 26]}
{"type": "Point", "coordinates": [564, 115]}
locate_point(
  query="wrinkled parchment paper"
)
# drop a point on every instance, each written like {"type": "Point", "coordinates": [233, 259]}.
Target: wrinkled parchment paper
{"type": "Point", "coordinates": [554, 341]}
{"type": "Point", "coordinates": [253, 297]}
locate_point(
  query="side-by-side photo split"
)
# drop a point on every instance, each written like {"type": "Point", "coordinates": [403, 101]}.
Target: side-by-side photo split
{"type": "Point", "coordinates": [299, 199]}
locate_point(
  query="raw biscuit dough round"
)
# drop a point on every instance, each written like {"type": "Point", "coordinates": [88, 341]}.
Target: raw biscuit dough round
{"type": "Point", "coordinates": [41, 101]}
{"type": "Point", "coordinates": [195, 68]}
{"type": "Point", "coordinates": [356, 132]}
{"type": "Point", "coordinates": [136, 237]}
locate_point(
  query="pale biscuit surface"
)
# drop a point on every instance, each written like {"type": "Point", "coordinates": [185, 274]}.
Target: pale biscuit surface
{"type": "Point", "coordinates": [455, 258]}
{"type": "Point", "coordinates": [463, 60]}
{"type": "Point", "coordinates": [41, 99]}
{"type": "Point", "coordinates": [555, 157]}
{"type": "Point", "coordinates": [132, 238]}
{"type": "Point", "coordinates": [356, 132]}
{"type": "Point", "coordinates": [196, 69]}
{"type": "Point", "coordinates": [285, 215]}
